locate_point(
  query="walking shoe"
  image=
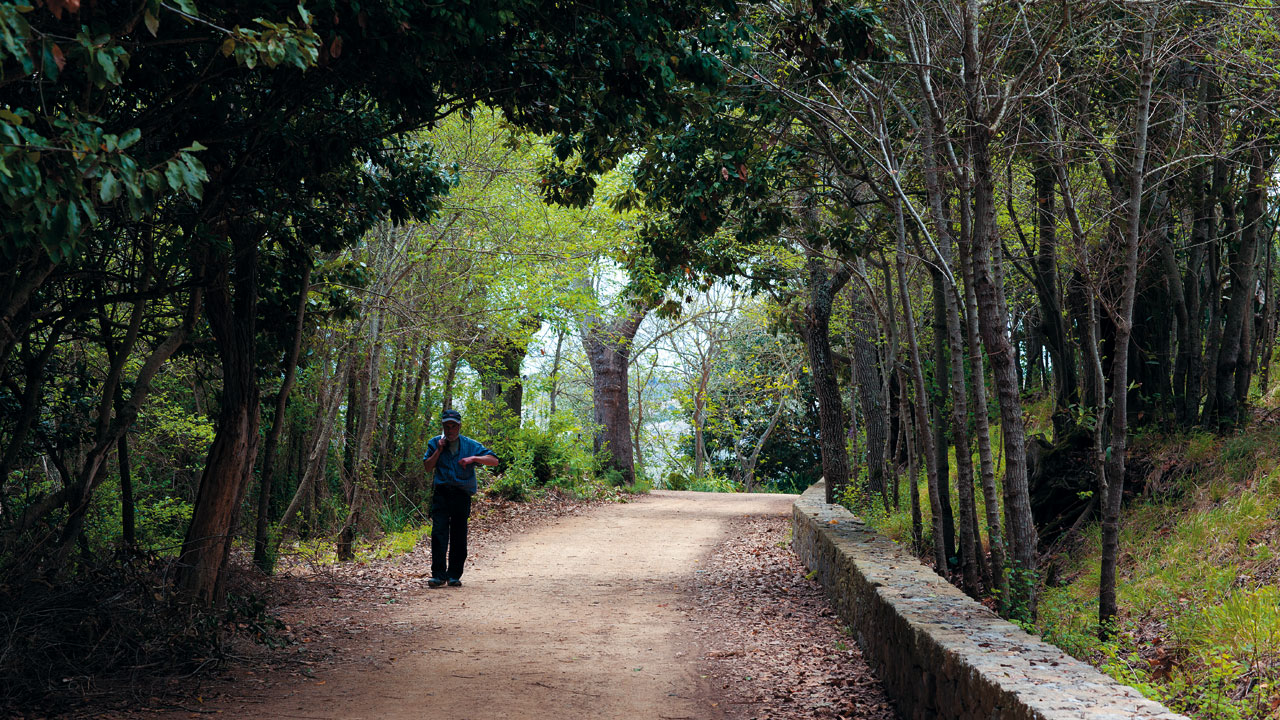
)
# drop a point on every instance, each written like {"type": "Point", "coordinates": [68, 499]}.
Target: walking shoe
{"type": "Point", "coordinates": [455, 582]}
{"type": "Point", "coordinates": [435, 582]}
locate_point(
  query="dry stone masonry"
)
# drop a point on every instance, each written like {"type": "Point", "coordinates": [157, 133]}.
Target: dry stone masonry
{"type": "Point", "coordinates": [940, 654]}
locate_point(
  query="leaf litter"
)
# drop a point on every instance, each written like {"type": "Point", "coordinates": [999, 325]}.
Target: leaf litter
{"type": "Point", "coordinates": [774, 647]}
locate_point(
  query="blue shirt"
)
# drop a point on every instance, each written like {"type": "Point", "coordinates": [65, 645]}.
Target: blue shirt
{"type": "Point", "coordinates": [448, 472]}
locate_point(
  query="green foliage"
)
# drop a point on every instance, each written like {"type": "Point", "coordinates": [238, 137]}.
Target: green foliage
{"type": "Point", "coordinates": [161, 523]}
{"type": "Point", "coordinates": [396, 543]}
{"type": "Point", "coordinates": [1197, 572]}
{"type": "Point", "coordinates": [706, 483]}
{"type": "Point", "coordinates": [509, 486]}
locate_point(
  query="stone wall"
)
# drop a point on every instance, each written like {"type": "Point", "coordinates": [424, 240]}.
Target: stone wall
{"type": "Point", "coordinates": [940, 654]}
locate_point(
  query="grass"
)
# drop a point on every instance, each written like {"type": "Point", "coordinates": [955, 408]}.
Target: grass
{"type": "Point", "coordinates": [1198, 584]}
{"type": "Point", "coordinates": [322, 550]}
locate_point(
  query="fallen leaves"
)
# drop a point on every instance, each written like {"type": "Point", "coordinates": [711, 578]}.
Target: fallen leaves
{"type": "Point", "coordinates": [772, 643]}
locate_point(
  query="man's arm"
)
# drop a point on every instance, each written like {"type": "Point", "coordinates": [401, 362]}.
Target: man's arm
{"type": "Point", "coordinates": [429, 462]}
{"type": "Point", "coordinates": [489, 460]}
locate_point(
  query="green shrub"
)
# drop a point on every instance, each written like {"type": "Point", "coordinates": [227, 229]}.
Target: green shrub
{"type": "Point", "coordinates": [395, 517]}
{"type": "Point", "coordinates": [676, 481]}
{"type": "Point", "coordinates": [509, 486]}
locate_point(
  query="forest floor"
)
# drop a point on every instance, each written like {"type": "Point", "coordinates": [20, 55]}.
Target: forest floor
{"type": "Point", "coordinates": [671, 605]}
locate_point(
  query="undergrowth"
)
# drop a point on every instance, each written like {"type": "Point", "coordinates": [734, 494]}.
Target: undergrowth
{"type": "Point", "coordinates": [1197, 587]}
{"type": "Point", "coordinates": [115, 623]}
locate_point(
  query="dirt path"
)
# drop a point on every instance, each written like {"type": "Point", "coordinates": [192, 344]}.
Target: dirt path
{"type": "Point", "coordinates": [588, 616]}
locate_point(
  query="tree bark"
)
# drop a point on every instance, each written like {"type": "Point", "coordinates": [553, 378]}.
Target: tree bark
{"type": "Point", "coordinates": [1233, 370]}
{"type": "Point", "coordinates": [358, 484]}
{"type": "Point", "coordinates": [982, 428]}
{"type": "Point", "coordinates": [993, 320]}
{"type": "Point", "coordinates": [870, 392]}
{"type": "Point", "coordinates": [1052, 327]}
{"type": "Point", "coordinates": [231, 309]}
{"type": "Point", "coordinates": [970, 570]}
{"type": "Point", "coordinates": [608, 348]}
{"type": "Point", "coordinates": [923, 430]}
{"type": "Point", "coordinates": [942, 356]}
{"type": "Point", "coordinates": [823, 285]}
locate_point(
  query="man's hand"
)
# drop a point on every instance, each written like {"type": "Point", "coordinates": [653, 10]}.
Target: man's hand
{"type": "Point", "coordinates": [478, 459]}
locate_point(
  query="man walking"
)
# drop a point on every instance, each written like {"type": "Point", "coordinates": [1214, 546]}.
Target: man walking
{"type": "Point", "coordinates": [453, 456]}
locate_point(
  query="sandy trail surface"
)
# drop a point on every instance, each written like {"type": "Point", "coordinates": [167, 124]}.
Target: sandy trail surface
{"type": "Point", "coordinates": [584, 617]}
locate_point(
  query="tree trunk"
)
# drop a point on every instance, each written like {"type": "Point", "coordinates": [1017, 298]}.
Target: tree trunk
{"type": "Point", "coordinates": [502, 387]}
{"type": "Point", "coordinates": [870, 391]}
{"type": "Point", "coordinates": [450, 376]}
{"type": "Point", "coordinates": [392, 425]}
{"type": "Point", "coordinates": [969, 555]}
{"type": "Point", "coordinates": [27, 278]}
{"type": "Point", "coordinates": [913, 467]}
{"type": "Point", "coordinates": [823, 285]}
{"type": "Point", "coordinates": [982, 428]}
{"type": "Point", "coordinates": [262, 531]}
{"type": "Point", "coordinates": [231, 309]}
{"type": "Point", "coordinates": [924, 431]}
{"type": "Point", "coordinates": [1052, 327]}
{"type": "Point", "coordinates": [555, 370]}
{"type": "Point", "coordinates": [358, 485]}
{"type": "Point", "coordinates": [1232, 370]}
{"type": "Point", "coordinates": [422, 381]}
{"type": "Point", "coordinates": [608, 349]}
{"type": "Point", "coordinates": [700, 419]}
{"type": "Point", "coordinates": [127, 524]}
{"type": "Point", "coordinates": [942, 356]}
{"type": "Point", "coordinates": [1120, 362]}
{"type": "Point", "coordinates": [992, 324]}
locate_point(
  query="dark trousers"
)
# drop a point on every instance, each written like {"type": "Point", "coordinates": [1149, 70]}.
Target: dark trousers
{"type": "Point", "coordinates": [450, 508]}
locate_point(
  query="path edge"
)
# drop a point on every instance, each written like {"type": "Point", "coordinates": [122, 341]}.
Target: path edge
{"type": "Point", "coordinates": [939, 653]}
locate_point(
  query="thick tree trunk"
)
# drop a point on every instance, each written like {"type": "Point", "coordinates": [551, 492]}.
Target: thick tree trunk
{"type": "Point", "coordinates": [502, 387]}
{"type": "Point", "coordinates": [823, 286]}
{"type": "Point", "coordinates": [608, 348]}
{"type": "Point", "coordinates": [231, 309]}
{"type": "Point", "coordinates": [1219, 195]}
